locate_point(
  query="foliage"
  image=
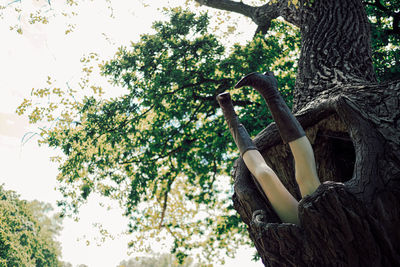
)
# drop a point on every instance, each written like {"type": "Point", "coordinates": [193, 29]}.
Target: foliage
{"type": "Point", "coordinates": [162, 149]}
{"type": "Point", "coordinates": [27, 234]}
{"type": "Point", "coordinates": [160, 260]}
{"type": "Point", "coordinates": [20, 13]}
{"type": "Point", "coordinates": [385, 37]}
{"type": "Point", "coordinates": [384, 17]}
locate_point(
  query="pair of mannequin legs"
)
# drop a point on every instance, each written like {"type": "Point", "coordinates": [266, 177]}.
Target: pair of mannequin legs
{"type": "Point", "coordinates": [284, 204]}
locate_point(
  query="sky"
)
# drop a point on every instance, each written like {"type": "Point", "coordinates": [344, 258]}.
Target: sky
{"type": "Point", "coordinates": [27, 61]}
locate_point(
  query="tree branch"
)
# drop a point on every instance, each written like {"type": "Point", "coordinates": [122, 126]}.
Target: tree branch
{"type": "Point", "coordinates": [396, 24]}
{"type": "Point", "coordinates": [165, 201]}
{"type": "Point", "coordinates": [261, 15]}
{"type": "Point", "coordinates": [388, 12]}
{"type": "Point", "coordinates": [228, 5]}
{"type": "Point", "coordinates": [381, 7]}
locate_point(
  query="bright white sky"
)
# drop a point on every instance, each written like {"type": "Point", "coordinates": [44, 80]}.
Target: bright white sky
{"type": "Point", "coordinates": [27, 60]}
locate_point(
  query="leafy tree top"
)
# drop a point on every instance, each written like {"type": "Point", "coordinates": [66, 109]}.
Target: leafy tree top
{"type": "Point", "coordinates": [161, 148]}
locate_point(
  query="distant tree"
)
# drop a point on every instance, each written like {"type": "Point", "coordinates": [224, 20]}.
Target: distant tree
{"type": "Point", "coordinates": [27, 233]}
{"type": "Point", "coordinates": [160, 260]}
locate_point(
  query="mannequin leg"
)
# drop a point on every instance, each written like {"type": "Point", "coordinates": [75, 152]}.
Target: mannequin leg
{"type": "Point", "coordinates": [284, 204]}
{"type": "Point", "coordinates": [306, 172]}
{"type": "Point", "coordinates": [289, 128]}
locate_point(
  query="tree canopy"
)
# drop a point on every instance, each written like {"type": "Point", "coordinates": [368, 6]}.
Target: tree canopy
{"type": "Point", "coordinates": [27, 233]}
{"type": "Point", "coordinates": [162, 149]}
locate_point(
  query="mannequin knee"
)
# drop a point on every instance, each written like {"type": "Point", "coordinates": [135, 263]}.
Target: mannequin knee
{"type": "Point", "coordinates": [263, 171]}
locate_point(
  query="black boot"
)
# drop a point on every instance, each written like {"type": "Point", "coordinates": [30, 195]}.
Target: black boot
{"type": "Point", "coordinates": [239, 133]}
{"type": "Point", "coordinates": [288, 126]}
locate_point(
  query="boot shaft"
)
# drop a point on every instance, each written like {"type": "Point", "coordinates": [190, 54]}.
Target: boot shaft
{"type": "Point", "coordinates": [267, 85]}
{"type": "Point", "coordinates": [238, 131]}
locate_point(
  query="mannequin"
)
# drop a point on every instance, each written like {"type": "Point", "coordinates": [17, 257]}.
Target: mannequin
{"type": "Point", "coordinates": [284, 204]}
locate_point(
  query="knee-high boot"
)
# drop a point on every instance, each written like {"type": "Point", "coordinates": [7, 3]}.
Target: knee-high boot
{"type": "Point", "coordinates": [267, 85]}
{"type": "Point", "coordinates": [239, 133]}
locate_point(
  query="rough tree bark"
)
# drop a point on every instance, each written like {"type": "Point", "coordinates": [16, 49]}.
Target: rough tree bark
{"type": "Point", "coordinates": [353, 123]}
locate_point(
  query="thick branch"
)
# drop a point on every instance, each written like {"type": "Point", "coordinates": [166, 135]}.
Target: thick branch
{"type": "Point", "coordinates": [261, 15]}
{"type": "Point", "coordinates": [228, 5]}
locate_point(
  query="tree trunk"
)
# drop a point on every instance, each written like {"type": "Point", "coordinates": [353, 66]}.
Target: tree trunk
{"type": "Point", "coordinates": [354, 216]}
{"type": "Point", "coordinates": [353, 123]}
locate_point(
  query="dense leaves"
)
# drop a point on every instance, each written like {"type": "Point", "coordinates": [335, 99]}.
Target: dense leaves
{"type": "Point", "coordinates": [384, 17]}
{"type": "Point", "coordinates": [162, 148]}
{"type": "Point", "coordinates": [27, 234]}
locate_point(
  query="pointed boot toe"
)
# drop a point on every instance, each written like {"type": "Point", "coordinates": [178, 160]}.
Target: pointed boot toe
{"type": "Point", "coordinates": [246, 80]}
{"type": "Point", "coordinates": [264, 83]}
{"type": "Point", "coordinates": [267, 85]}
